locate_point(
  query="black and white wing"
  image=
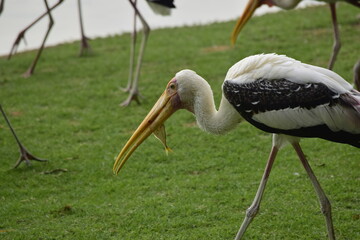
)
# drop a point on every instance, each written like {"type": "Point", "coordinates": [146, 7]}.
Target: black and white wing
{"type": "Point", "coordinates": [161, 7]}
{"type": "Point", "coordinates": [321, 108]}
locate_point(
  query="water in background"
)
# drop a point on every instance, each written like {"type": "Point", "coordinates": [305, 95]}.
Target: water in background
{"type": "Point", "coordinates": [107, 17]}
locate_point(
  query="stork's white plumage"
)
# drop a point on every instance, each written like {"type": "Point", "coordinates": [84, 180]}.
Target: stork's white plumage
{"type": "Point", "coordinates": [274, 93]}
{"type": "Point", "coordinates": [281, 95]}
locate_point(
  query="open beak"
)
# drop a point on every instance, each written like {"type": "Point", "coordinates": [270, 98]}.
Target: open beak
{"type": "Point", "coordinates": [248, 12]}
{"type": "Point", "coordinates": [154, 120]}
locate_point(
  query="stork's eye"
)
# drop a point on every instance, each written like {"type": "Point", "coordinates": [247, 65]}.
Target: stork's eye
{"type": "Point", "coordinates": [172, 86]}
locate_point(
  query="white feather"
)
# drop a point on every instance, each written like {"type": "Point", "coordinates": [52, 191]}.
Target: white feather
{"type": "Point", "coordinates": [273, 67]}
{"type": "Point", "coordinates": [335, 117]}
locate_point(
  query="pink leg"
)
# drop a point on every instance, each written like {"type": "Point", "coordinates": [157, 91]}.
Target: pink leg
{"type": "Point", "coordinates": [254, 207]}
{"type": "Point", "coordinates": [132, 55]}
{"type": "Point", "coordinates": [134, 92]}
{"type": "Point", "coordinates": [324, 201]}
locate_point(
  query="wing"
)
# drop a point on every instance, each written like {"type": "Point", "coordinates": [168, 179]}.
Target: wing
{"type": "Point", "coordinates": [298, 109]}
{"type": "Point", "coordinates": [161, 7]}
{"type": "Point", "coordinates": [165, 3]}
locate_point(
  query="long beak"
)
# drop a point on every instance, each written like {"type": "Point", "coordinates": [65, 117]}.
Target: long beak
{"type": "Point", "coordinates": [248, 12]}
{"type": "Point", "coordinates": [161, 111]}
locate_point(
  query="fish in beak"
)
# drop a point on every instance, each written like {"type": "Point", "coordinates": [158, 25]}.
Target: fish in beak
{"type": "Point", "coordinates": [160, 134]}
{"type": "Point", "coordinates": [248, 12]}
{"type": "Point", "coordinates": [166, 105]}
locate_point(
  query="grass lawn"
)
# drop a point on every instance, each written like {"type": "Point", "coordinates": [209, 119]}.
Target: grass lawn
{"type": "Point", "coordinates": [69, 113]}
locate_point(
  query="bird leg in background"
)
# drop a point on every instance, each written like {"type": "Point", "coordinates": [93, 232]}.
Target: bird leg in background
{"type": "Point", "coordinates": [357, 75]}
{"type": "Point", "coordinates": [1, 5]}
{"type": "Point", "coordinates": [21, 36]}
{"type": "Point", "coordinates": [134, 92]}
{"type": "Point", "coordinates": [132, 54]}
{"type": "Point", "coordinates": [254, 208]}
{"type": "Point", "coordinates": [25, 155]}
{"type": "Point", "coordinates": [337, 42]}
{"type": "Point", "coordinates": [84, 45]}
{"type": "Point", "coordinates": [324, 201]}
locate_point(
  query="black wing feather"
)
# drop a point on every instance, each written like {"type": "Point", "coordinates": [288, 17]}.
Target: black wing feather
{"type": "Point", "coordinates": [165, 3]}
{"type": "Point", "coordinates": [265, 95]}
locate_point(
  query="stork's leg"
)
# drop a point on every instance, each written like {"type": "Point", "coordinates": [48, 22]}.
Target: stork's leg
{"type": "Point", "coordinates": [132, 54]}
{"type": "Point", "coordinates": [2, 2]}
{"type": "Point", "coordinates": [134, 92]}
{"type": "Point", "coordinates": [31, 69]}
{"type": "Point", "coordinates": [337, 42]}
{"type": "Point", "coordinates": [324, 201]}
{"type": "Point", "coordinates": [25, 155]}
{"type": "Point", "coordinates": [84, 46]}
{"type": "Point", "coordinates": [21, 35]}
{"type": "Point", "coordinates": [357, 75]}
{"type": "Point", "coordinates": [254, 208]}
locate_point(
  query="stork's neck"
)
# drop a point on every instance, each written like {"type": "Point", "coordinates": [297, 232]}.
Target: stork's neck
{"type": "Point", "coordinates": [208, 118]}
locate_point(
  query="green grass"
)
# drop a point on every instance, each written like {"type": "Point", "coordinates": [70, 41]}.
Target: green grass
{"type": "Point", "coordinates": [68, 112]}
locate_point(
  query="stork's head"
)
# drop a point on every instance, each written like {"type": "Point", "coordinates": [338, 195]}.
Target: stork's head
{"type": "Point", "coordinates": [179, 94]}
{"type": "Point", "coordinates": [252, 6]}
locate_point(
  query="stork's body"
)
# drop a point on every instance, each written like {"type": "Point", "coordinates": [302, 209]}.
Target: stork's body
{"type": "Point", "coordinates": [290, 4]}
{"type": "Point", "coordinates": [280, 95]}
{"type": "Point", "coordinates": [274, 93]}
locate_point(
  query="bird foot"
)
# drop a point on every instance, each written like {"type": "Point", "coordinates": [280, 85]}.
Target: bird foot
{"type": "Point", "coordinates": [26, 156]}
{"type": "Point", "coordinates": [134, 95]}
{"type": "Point", "coordinates": [16, 44]}
{"type": "Point", "coordinates": [28, 73]}
{"type": "Point", "coordinates": [85, 48]}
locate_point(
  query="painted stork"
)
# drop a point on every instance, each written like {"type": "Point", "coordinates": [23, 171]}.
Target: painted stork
{"type": "Point", "coordinates": [84, 46]}
{"type": "Point", "coordinates": [276, 94]}
{"type": "Point", "coordinates": [161, 7]}
{"type": "Point", "coordinates": [25, 155]}
{"type": "Point", "coordinates": [287, 5]}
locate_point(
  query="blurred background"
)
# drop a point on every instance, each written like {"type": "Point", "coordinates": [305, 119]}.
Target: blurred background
{"type": "Point", "coordinates": [108, 17]}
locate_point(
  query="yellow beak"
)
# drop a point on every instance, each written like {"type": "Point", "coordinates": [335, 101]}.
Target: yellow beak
{"type": "Point", "coordinates": [248, 12]}
{"type": "Point", "coordinates": [159, 113]}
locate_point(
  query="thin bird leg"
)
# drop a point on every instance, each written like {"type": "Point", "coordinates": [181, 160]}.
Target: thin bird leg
{"type": "Point", "coordinates": [134, 93]}
{"type": "Point", "coordinates": [132, 55]}
{"type": "Point", "coordinates": [25, 155]}
{"type": "Point", "coordinates": [337, 42]}
{"type": "Point", "coordinates": [2, 2]}
{"type": "Point", "coordinates": [31, 69]}
{"type": "Point", "coordinates": [84, 46]}
{"type": "Point", "coordinates": [21, 35]}
{"type": "Point", "coordinates": [254, 207]}
{"type": "Point", "coordinates": [357, 75]}
{"type": "Point", "coordinates": [324, 201]}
